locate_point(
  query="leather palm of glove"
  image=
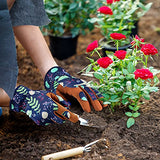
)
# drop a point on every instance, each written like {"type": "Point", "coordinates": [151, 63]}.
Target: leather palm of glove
{"type": "Point", "coordinates": [58, 81]}
{"type": "Point", "coordinates": [42, 107]}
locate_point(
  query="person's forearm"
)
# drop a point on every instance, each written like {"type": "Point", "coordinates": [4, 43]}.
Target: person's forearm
{"type": "Point", "coordinates": [10, 3]}
{"type": "Point", "coordinates": [33, 41]}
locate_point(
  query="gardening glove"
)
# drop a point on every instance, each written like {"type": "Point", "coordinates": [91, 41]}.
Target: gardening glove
{"type": "Point", "coordinates": [58, 81]}
{"type": "Point", "coordinates": [42, 107]}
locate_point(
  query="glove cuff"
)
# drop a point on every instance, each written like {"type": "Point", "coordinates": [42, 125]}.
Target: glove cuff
{"type": "Point", "coordinates": [17, 103]}
{"type": "Point", "coordinates": [52, 77]}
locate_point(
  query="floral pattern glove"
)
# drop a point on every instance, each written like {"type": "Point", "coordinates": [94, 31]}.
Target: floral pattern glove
{"type": "Point", "coordinates": [42, 107]}
{"type": "Point", "coordinates": [58, 81]}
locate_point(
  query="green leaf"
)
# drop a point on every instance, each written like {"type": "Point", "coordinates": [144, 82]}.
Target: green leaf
{"type": "Point", "coordinates": [121, 77]}
{"type": "Point", "coordinates": [88, 68]}
{"type": "Point", "coordinates": [129, 114]}
{"type": "Point", "coordinates": [125, 101]}
{"type": "Point", "coordinates": [137, 114]}
{"type": "Point", "coordinates": [130, 122]}
{"type": "Point", "coordinates": [129, 93]}
{"type": "Point", "coordinates": [98, 75]}
{"type": "Point", "coordinates": [156, 80]}
{"type": "Point", "coordinates": [146, 96]}
{"type": "Point", "coordinates": [106, 103]}
{"type": "Point", "coordinates": [115, 100]}
{"type": "Point", "coordinates": [130, 107]}
{"type": "Point", "coordinates": [125, 72]}
{"type": "Point", "coordinates": [131, 67]}
{"type": "Point", "coordinates": [72, 6]}
{"type": "Point", "coordinates": [114, 97]}
{"type": "Point", "coordinates": [129, 85]}
{"type": "Point", "coordinates": [132, 11]}
{"type": "Point", "coordinates": [107, 96]}
{"type": "Point", "coordinates": [130, 76]}
{"type": "Point", "coordinates": [136, 108]}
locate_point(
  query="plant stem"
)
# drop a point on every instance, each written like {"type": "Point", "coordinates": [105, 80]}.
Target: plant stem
{"type": "Point", "coordinates": [146, 57]}
{"type": "Point", "coordinates": [117, 44]}
{"type": "Point", "coordinates": [122, 65]}
{"type": "Point", "coordinates": [98, 53]}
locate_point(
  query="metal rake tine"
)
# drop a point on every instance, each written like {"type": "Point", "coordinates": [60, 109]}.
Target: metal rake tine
{"type": "Point", "coordinates": [90, 144]}
{"type": "Point", "coordinates": [87, 149]}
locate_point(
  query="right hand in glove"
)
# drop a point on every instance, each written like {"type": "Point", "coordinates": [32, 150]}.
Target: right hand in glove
{"type": "Point", "coordinates": [59, 82]}
{"type": "Point", "coordinates": [42, 107]}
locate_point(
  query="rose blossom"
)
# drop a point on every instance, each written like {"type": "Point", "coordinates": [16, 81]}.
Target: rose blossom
{"type": "Point", "coordinates": [143, 74]}
{"type": "Point", "coordinates": [121, 54]}
{"type": "Point", "coordinates": [105, 10]}
{"type": "Point", "coordinates": [92, 46]}
{"type": "Point", "coordinates": [109, 1]}
{"type": "Point", "coordinates": [104, 62]}
{"type": "Point", "coordinates": [139, 39]}
{"type": "Point", "coordinates": [149, 49]}
{"type": "Point", "coordinates": [117, 36]}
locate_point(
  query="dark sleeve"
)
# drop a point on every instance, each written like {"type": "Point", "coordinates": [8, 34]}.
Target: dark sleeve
{"type": "Point", "coordinates": [8, 56]}
{"type": "Point", "coordinates": [29, 12]}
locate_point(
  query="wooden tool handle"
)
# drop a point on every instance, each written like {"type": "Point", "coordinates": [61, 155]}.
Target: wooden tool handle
{"type": "Point", "coordinates": [64, 154]}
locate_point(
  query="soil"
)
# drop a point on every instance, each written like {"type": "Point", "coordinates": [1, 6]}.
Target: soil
{"type": "Point", "coordinates": [21, 139]}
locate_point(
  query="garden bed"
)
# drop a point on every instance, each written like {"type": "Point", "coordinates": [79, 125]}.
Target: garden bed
{"type": "Point", "coordinates": [21, 139]}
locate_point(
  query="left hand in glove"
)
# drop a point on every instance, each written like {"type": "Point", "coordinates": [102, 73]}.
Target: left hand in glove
{"type": "Point", "coordinates": [58, 81]}
{"type": "Point", "coordinates": [41, 106]}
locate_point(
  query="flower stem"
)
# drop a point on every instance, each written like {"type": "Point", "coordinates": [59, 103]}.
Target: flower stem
{"type": "Point", "coordinates": [98, 53]}
{"type": "Point", "coordinates": [122, 65]}
{"type": "Point", "coordinates": [146, 57]}
{"type": "Point", "coordinates": [117, 44]}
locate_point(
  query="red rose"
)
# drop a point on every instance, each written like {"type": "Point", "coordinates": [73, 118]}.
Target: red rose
{"type": "Point", "coordinates": [117, 36]}
{"type": "Point", "coordinates": [116, 0]}
{"type": "Point", "coordinates": [143, 74]}
{"type": "Point", "coordinates": [92, 46]}
{"type": "Point", "coordinates": [139, 39]}
{"type": "Point", "coordinates": [149, 49]}
{"type": "Point", "coordinates": [104, 62]}
{"type": "Point", "coordinates": [109, 1]}
{"type": "Point", "coordinates": [105, 10]}
{"type": "Point", "coordinates": [121, 54]}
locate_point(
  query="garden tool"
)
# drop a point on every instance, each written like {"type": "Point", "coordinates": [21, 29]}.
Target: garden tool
{"type": "Point", "coordinates": [58, 81]}
{"type": "Point", "coordinates": [74, 151]}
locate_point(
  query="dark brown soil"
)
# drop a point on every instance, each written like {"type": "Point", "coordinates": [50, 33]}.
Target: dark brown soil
{"type": "Point", "coordinates": [21, 139]}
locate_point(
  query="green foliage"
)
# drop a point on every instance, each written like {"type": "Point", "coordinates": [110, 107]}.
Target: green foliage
{"type": "Point", "coordinates": [69, 16]}
{"type": "Point", "coordinates": [117, 82]}
{"type": "Point", "coordinates": [130, 122]}
{"type": "Point", "coordinates": [125, 14]}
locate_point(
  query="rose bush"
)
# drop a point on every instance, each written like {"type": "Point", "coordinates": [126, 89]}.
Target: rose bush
{"type": "Point", "coordinates": [119, 16]}
{"type": "Point", "coordinates": [118, 78]}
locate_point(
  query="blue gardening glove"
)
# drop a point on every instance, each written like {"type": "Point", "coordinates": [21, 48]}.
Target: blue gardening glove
{"type": "Point", "coordinates": [58, 81]}
{"type": "Point", "coordinates": [42, 107]}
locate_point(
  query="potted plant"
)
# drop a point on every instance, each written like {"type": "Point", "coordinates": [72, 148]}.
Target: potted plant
{"type": "Point", "coordinates": [69, 18]}
{"type": "Point", "coordinates": [124, 78]}
{"type": "Point", "coordinates": [119, 16]}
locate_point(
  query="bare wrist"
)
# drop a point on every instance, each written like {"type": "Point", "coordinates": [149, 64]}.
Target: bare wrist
{"type": "Point", "coordinates": [4, 98]}
{"type": "Point", "coordinates": [10, 3]}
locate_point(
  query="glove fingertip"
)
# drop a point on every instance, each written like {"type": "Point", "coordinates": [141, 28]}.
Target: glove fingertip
{"type": "Point", "coordinates": [87, 109]}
